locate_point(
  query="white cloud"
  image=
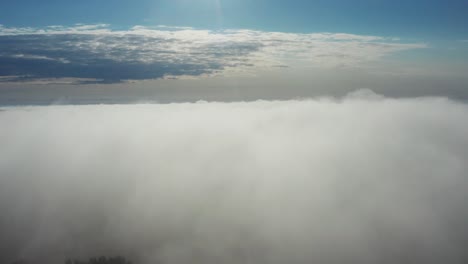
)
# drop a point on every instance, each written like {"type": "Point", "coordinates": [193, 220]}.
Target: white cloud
{"type": "Point", "coordinates": [371, 180]}
{"type": "Point", "coordinates": [38, 57]}
{"type": "Point", "coordinates": [57, 29]}
{"type": "Point", "coordinates": [175, 51]}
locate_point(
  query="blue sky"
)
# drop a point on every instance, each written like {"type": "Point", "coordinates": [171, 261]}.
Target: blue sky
{"type": "Point", "coordinates": [428, 19]}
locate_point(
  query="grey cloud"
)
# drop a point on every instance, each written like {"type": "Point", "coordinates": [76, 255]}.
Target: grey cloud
{"type": "Point", "coordinates": [363, 179]}
{"type": "Point", "coordinates": [90, 56]}
{"type": "Point", "coordinates": [96, 52]}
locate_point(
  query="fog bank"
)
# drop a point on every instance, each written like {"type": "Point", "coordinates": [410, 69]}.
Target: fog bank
{"type": "Point", "coordinates": [362, 179]}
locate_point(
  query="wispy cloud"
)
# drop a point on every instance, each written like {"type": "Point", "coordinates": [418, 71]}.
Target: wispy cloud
{"type": "Point", "coordinates": [103, 54]}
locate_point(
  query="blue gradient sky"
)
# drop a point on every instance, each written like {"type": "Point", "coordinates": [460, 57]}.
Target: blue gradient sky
{"type": "Point", "coordinates": [428, 19]}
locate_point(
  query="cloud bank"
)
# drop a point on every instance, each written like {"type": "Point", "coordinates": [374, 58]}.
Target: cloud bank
{"type": "Point", "coordinates": [101, 54]}
{"type": "Point", "coordinates": [364, 179]}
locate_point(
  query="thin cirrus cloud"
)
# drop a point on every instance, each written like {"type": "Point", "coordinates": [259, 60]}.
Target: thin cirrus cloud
{"type": "Point", "coordinates": [96, 53]}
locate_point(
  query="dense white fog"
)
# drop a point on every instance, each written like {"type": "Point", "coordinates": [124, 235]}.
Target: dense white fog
{"type": "Point", "coordinates": [362, 179]}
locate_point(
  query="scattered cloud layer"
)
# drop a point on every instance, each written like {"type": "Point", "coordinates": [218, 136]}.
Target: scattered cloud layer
{"type": "Point", "coordinates": [97, 52]}
{"type": "Point", "coordinates": [360, 180]}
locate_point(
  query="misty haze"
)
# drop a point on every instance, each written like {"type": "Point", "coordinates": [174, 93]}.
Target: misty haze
{"type": "Point", "coordinates": [312, 181]}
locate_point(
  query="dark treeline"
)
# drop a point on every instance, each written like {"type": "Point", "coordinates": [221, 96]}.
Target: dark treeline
{"type": "Point", "coordinates": [96, 260]}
